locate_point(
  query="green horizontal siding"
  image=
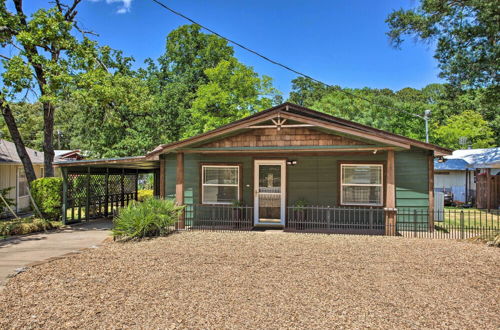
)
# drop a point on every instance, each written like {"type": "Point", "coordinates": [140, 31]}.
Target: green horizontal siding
{"type": "Point", "coordinates": [412, 190]}
{"type": "Point", "coordinates": [313, 178]}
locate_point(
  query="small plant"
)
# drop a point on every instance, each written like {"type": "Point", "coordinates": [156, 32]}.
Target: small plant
{"type": "Point", "coordinates": [238, 203]}
{"type": "Point", "coordinates": [47, 194]}
{"type": "Point", "coordinates": [143, 194]}
{"type": "Point", "coordinates": [299, 204]}
{"type": "Point", "coordinates": [153, 217]}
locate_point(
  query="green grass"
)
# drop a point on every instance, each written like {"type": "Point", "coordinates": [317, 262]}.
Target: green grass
{"type": "Point", "coordinates": [472, 218]}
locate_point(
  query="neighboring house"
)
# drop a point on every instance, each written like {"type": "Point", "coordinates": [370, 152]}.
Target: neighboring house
{"type": "Point", "coordinates": [12, 173]}
{"type": "Point", "coordinates": [62, 155]}
{"type": "Point", "coordinates": [65, 155]}
{"type": "Point", "coordinates": [466, 173]}
{"type": "Point", "coordinates": [281, 157]}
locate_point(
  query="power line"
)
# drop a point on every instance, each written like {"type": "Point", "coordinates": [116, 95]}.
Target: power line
{"type": "Point", "coordinates": [280, 64]}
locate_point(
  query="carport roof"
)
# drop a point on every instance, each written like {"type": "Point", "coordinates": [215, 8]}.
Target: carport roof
{"type": "Point", "coordinates": [129, 164]}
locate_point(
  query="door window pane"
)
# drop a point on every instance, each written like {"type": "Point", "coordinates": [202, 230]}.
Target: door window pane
{"type": "Point", "coordinates": [269, 193]}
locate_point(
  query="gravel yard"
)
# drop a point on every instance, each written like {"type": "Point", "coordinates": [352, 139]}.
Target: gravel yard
{"type": "Point", "coordinates": [262, 280]}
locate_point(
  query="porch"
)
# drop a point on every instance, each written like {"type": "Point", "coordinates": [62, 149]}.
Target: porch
{"type": "Point", "coordinates": [342, 192]}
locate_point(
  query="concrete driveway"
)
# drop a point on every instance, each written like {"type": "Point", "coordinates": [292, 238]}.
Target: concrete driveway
{"type": "Point", "coordinates": [18, 253]}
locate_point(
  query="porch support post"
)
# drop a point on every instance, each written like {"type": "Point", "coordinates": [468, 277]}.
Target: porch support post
{"type": "Point", "coordinates": [431, 193]}
{"type": "Point", "coordinates": [64, 172]}
{"type": "Point", "coordinates": [179, 187]}
{"type": "Point", "coordinates": [162, 177]}
{"type": "Point", "coordinates": [390, 197]}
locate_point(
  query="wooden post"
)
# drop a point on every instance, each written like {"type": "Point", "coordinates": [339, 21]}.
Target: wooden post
{"type": "Point", "coordinates": [87, 207]}
{"type": "Point", "coordinates": [179, 187]}
{"type": "Point", "coordinates": [122, 188]}
{"type": "Point", "coordinates": [162, 178]}
{"type": "Point", "coordinates": [390, 197]}
{"type": "Point", "coordinates": [431, 193]}
{"type": "Point", "coordinates": [64, 172]}
{"type": "Point", "coordinates": [488, 189]}
{"type": "Point", "coordinates": [137, 185]}
{"type": "Point", "coordinates": [106, 193]}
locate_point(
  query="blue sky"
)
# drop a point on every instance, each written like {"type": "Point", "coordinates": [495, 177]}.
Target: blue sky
{"type": "Point", "coordinates": [340, 42]}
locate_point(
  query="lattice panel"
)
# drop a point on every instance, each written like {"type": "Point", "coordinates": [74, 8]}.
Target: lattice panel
{"type": "Point", "coordinates": [87, 198]}
{"type": "Point", "coordinates": [129, 183]}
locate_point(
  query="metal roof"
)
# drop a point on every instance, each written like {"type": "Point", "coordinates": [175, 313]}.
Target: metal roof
{"type": "Point", "coordinates": [451, 165]}
{"type": "Point", "coordinates": [471, 159]}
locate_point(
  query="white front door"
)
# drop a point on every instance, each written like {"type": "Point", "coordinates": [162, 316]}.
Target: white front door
{"type": "Point", "coordinates": [269, 195]}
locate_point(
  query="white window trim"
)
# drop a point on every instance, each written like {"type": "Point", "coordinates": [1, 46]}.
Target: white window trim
{"type": "Point", "coordinates": [237, 167]}
{"type": "Point", "coordinates": [381, 185]}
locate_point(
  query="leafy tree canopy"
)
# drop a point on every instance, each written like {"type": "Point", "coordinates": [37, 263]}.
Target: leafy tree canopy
{"type": "Point", "coordinates": [466, 34]}
{"type": "Point", "coordinates": [469, 127]}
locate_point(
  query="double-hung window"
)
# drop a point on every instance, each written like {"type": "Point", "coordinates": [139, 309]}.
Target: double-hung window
{"type": "Point", "coordinates": [220, 184]}
{"type": "Point", "coordinates": [361, 184]}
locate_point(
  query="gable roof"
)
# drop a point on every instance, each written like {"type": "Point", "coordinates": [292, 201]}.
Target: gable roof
{"type": "Point", "coordinates": [319, 119]}
{"type": "Point", "coordinates": [8, 154]}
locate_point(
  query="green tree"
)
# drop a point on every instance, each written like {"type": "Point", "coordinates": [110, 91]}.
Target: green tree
{"type": "Point", "coordinates": [47, 52]}
{"type": "Point", "coordinates": [107, 111]}
{"type": "Point", "coordinates": [198, 84]}
{"type": "Point", "coordinates": [469, 125]}
{"type": "Point", "coordinates": [233, 91]}
{"type": "Point", "coordinates": [466, 35]}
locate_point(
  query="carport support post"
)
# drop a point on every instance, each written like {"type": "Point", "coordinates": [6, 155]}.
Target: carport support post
{"type": "Point", "coordinates": [87, 208]}
{"type": "Point", "coordinates": [179, 188]}
{"type": "Point", "coordinates": [106, 193]}
{"type": "Point", "coordinates": [390, 197]}
{"type": "Point", "coordinates": [64, 172]}
{"type": "Point", "coordinates": [122, 187]}
{"type": "Point", "coordinates": [137, 185]}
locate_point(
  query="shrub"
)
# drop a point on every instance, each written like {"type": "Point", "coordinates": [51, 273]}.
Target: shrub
{"type": "Point", "coordinates": [26, 226]}
{"type": "Point", "coordinates": [143, 194]}
{"type": "Point", "coordinates": [47, 193]}
{"type": "Point", "coordinates": [153, 217]}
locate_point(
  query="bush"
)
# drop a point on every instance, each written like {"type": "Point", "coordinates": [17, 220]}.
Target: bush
{"type": "Point", "coordinates": [47, 193]}
{"type": "Point", "coordinates": [143, 194]}
{"type": "Point", "coordinates": [26, 226]}
{"type": "Point", "coordinates": [153, 217]}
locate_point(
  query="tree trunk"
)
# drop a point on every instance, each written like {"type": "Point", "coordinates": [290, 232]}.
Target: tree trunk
{"type": "Point", "coordinates": [48, 135]}
{"type": "Point", "coordinates": [18, 141]}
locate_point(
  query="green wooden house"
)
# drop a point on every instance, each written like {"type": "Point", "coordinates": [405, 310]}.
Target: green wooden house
{"type": "Point", "coordinates": [290, 167]}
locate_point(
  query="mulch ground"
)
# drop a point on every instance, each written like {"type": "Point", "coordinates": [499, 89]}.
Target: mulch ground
{"type": "Point", "coordinates": [262, 280]}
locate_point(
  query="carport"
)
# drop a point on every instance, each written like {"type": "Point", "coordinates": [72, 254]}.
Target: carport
{"type": "Point", "coordinates": [97, 188]}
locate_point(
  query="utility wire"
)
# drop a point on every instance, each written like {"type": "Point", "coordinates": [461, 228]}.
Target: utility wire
{"type": "Point", "coordinates": [161, 4]}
